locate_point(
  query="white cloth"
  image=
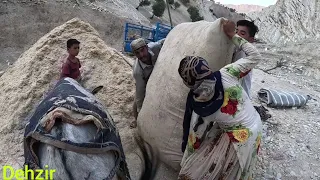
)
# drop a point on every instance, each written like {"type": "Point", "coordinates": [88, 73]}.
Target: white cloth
{"type": "Point", "coordinates": [246, 81]}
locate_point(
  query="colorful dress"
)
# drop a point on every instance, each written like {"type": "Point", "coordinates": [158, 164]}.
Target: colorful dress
{"type": "Point", "coordinates": [225, 144]}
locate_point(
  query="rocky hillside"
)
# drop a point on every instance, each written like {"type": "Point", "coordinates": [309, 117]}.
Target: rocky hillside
{"type": "Point", "coordinates": [209, 10]}
{"type": "Point", "coordinates": [24, 22]}
{"type": "Point", "coordinates": [220, 10]}
{"type": "Point", "coordinates": [288, 21]}
{"type": "Point", "coordinates": [245, 8]}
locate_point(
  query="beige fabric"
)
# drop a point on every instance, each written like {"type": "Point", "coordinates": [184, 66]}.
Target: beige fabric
{"type": "Point", "coordinates": [246, 81]}
{"type": "Point", "coordinates": [216, 156]}
{"type": "Point", "coordinates": [137, 43]}
{"type": "Point", "coordinates": [67, 116]}
{"type": "Point", "coordinates": [161, 117]}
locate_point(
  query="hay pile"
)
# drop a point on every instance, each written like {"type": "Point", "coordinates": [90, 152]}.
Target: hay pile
{"type": "Point", "coordinates": [23, 85]}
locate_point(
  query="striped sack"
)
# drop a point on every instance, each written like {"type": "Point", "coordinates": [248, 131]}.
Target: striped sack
{"type": "Point", "coordinates": [277, 98]}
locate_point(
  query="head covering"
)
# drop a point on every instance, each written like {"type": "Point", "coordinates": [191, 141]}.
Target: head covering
{"type": "Point", "coordinates": [137, 43]}
{"type": "Point", "coordinates": [193, 70]}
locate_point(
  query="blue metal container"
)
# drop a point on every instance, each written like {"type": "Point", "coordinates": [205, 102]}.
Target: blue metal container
{"type": "Point", "coordinates": [149, 34]}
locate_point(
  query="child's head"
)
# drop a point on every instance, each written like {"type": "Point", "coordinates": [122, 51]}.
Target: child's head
{"type": "Point", "coordinates": [73, 47]}
{"type": "Point", "coordinates": [247, 30]}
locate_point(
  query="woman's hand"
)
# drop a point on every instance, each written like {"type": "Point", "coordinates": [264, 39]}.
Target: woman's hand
{"type": "Point", "coordinates": [229, 28]}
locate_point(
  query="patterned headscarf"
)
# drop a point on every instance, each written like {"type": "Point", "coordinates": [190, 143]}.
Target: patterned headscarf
{"type": "Point", "coordinates": [197, 75]}
{"type": "Point", "coordinates": [193, 70]}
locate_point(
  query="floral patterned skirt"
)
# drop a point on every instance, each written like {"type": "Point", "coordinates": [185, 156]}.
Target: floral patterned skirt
{"type": "Point", "coordinates": [215, 159]}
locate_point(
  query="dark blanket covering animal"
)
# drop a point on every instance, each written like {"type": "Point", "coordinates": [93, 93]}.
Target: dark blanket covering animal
{"type": "Point", "coordinates": [68, 94]}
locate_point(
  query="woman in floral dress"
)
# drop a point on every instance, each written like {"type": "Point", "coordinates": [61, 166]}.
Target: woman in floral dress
{"type": "Point", "coordinates": [222, 129]}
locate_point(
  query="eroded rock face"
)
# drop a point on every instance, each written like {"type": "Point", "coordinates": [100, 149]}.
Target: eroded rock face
{"type": "Point", "coordinates": [245, 8]}
{"type": "Point", "coordinates": [219, 11]}
{"type": "Point", "coordinates": [288, 21]}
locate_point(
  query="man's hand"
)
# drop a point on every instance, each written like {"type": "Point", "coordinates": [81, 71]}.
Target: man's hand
{"type": "Point", "coordinates": [229, 28]}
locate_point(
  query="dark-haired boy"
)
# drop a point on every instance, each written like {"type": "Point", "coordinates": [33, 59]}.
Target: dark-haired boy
{"type": "Point", "coordinates": [71, 66]}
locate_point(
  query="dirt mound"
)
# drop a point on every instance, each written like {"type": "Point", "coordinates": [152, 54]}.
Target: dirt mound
{"type": "Point", "coordinates": [24, 84]}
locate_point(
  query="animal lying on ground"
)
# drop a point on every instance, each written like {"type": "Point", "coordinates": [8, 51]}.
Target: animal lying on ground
{"type": "Point", "coordinates": [71, 133]}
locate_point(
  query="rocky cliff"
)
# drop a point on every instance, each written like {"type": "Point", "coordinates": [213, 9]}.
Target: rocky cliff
{"type": "Point", "coordinates": [220, 10]}
{"type": "Point", "coordinates": [288, 21]}
{"type": "Point", "coordinates": [245, 8]}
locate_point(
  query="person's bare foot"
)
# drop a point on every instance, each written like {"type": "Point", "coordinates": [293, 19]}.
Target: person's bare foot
{"type": "Point", "coordinates": [133, 124]}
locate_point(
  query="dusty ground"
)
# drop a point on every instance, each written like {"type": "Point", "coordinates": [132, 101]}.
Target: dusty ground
{"type": "Point", "coordinates": [290, 149]}
{"type": "Point", "coordinates": [291, 146]}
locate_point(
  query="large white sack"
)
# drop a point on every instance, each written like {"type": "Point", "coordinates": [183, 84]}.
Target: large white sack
{"type": "Point", "coordinates": [161, 117]}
